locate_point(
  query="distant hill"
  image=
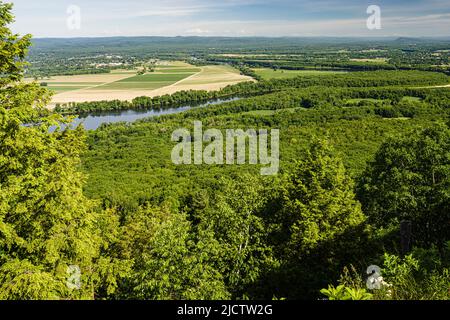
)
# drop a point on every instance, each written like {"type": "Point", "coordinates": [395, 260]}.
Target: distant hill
{"type": "Point", "coordinates": [412, 40]}
{"type": "Point", "coordinates": [138, 46]}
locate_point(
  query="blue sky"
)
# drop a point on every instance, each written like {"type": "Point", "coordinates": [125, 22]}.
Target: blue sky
{"type": "Point", "coordinates": [48, 18]}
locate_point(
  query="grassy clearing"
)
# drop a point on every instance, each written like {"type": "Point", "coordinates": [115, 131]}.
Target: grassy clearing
{"type": "Point", "coordinates": [397, 119]}
{"type": "Point", "coordinates": [412, 99]}
{"type": "Point", "coordinates": [268, 74]}
{"type": "Point", "coordinates": [260, 113]}
{"type": "Point", "coordinates": [361, 100]}
{"type": "Point", "coordinates": [373, 60]}
{"type": "Point", "coordinates": [271, 112]}
{"type": "Point", "coordinates": [407, 99]}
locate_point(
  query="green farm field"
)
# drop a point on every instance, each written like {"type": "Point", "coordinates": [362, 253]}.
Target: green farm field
{"type": "Point", "coordinates": [268, 74]}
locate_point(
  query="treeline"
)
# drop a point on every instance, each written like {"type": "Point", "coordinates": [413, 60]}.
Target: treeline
{"type": "Point", "coordinates": [393, 60]}
{"type": "Point", "coordinates": [178, 99]}
{"type": "Point", "coordinates": [316, 64]}
{"type": "Point", "coordinates": [246, 71]}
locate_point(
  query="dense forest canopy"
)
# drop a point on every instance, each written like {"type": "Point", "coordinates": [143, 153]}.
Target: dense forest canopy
{"type": "Point", "coordinates": [362, 154]}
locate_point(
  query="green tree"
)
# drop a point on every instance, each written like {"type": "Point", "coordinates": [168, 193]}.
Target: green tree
{"type": "Point", "coordinates": [46, 224]}
{"type": "Point", "coordinates": [318, 199]}
{"type": "Point", "coordinates": [322, 225]}
{"type": "Point", "coordinates": [409, 179]}
{"type": "Point", "coordinates": [171, 262]}
{"type": "Point", "coordinates": [236, 220]}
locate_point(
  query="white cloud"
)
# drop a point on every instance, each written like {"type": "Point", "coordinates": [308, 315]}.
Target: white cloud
{"type": "Point", "coordinates": [198, 31]}
{"type": "Point", "coordinates": [195, 17]}
{"type": "Point", "coordinates": [433, 25]}
{"type": "Point", "coordinates": [173, 11]}
{"type": "Point", "coordinates": [179, 8]}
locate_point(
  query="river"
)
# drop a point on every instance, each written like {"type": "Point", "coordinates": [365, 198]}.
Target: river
{"type": "Point", "coordinates": [93, 121]}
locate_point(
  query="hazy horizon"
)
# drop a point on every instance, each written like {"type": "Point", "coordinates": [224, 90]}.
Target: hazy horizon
{"type": "Point", "coordinates": [262, 37]}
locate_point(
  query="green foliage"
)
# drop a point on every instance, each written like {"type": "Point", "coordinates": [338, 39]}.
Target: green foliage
{"type": "Point", "coordinates": [169, 261]}
{"type": "Point", "coordinates": [13, 49]}
{"type": "Point", "coordinates": [409, 279]}
{"type": "Point", "coordinates": [412, 277]}
{"type": "Point", "coordinates": [235, 219]}
{"type": "Point", "coordinates": [21, 280]}
{"type": "Point", "coordinates": [410, 179]}
{"type": "Point", "coordinates": [321, 224]}
{"type": "Point", "coordinates": [129, 166]}
{"type": "Point", "coordinates": [342, 292]}
{"type": "Point", "coordinates": [318, 199]}
{"type": "Point", "coordinates": [46, 223]}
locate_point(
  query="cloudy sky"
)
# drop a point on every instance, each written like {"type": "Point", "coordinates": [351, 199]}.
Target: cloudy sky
{"type": "Point", "coordinates": [49, 18]}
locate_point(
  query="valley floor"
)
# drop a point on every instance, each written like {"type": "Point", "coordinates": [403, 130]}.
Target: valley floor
{"type": "Point", "coordinates": [123, 86]}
